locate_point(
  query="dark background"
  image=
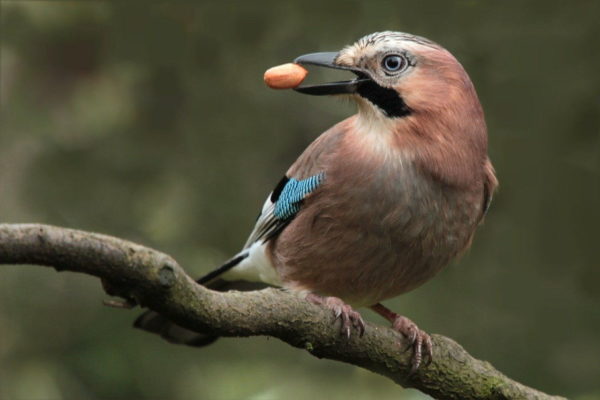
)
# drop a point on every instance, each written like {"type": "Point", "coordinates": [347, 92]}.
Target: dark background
{"type": "Point", "coordinates": [150, 121]}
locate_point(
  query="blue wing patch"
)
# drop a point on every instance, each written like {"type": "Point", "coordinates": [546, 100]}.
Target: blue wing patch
{"type": "Point", "coordinates": [281, 207]}
{"type": "Point", "coordinates": [294, 191]}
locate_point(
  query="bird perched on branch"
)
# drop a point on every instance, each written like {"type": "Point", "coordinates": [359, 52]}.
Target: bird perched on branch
{"type": "Point", "coordinates": [380, 202]}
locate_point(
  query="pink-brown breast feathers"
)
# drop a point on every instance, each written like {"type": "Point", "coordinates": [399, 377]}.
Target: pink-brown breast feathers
{"type": "Point", "coordinates": [374, 228]}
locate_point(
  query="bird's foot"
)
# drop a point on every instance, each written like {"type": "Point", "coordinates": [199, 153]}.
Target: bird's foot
{"type": "Point", "coordinates": [418, 340]}
{"type": "Point", "coordinates": [342, 311]}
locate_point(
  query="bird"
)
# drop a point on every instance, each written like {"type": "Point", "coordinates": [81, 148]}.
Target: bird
{"type": "Point", "coordinates": [379, 203]}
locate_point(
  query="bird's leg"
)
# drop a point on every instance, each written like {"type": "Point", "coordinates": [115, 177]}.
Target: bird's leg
{"type": "Point", "coordinates": [417, 339]}
{"type": "Point", "coordinates": [350, 318]}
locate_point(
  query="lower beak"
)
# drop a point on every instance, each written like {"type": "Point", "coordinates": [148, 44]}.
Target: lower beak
{"type": "Point", "coordinates": [328, 60]}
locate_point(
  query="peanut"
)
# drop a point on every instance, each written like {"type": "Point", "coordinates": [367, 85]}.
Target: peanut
{"type": "Point", "coordinates": [285, 76]}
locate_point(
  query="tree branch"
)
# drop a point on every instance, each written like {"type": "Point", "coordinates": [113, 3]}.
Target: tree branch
{"type": "Point", "coordinates": [155, 280]}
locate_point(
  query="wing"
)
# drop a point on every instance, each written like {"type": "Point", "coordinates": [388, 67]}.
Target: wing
{"type": "Point", "coordinates": [303, 178]}
{"type": "Point", "coordinates": [489, 186]}
{"type": "Point", "coordinates": [281, 206]}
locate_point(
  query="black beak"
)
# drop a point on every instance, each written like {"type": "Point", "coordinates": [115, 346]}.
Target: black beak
{"type": "Point", "coordinates": [328, 60]}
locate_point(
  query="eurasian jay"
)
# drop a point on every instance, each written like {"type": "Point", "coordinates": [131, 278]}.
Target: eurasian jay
{"type": "Point", "coordinates": [380, 202]}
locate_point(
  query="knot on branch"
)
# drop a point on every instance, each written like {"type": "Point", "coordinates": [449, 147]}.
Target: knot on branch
{"type": "Point", "coordinates": [166, 275]}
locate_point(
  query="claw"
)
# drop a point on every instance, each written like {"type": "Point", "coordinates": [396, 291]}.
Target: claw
{"type": "Point", "coordinates": [412, 338]}
{"type": "Point", "coordinates": [428, 350]}
{"type": "Point", "coordinates": [349, 318]}
{"type": "Point", "coordinates": [417, 355]}
{"type": "Point", "coordinates": [337, 312]}
{"type": "Point", "coordinates": [360, 325]}
{"type": "Point", "coordinates": [416, 339]}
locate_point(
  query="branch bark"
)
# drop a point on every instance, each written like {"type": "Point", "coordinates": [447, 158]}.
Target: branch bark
{"type": "Point", "coordinates": [155, 280]}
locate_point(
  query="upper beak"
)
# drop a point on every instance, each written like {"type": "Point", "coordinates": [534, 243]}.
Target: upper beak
{"type": "Point", "coordinates": [328, 60]}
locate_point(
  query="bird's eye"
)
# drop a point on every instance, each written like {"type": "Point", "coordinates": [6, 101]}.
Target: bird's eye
{"type": "Point", "coordinates": [394, 63]}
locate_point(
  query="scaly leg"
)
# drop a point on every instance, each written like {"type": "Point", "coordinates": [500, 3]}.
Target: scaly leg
{"type": "Point", "coordinates": [417, 339]}
{"type": "Point", "coordinates": [350, 318]}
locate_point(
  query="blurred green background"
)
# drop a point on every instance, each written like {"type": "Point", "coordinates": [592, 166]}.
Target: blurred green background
{"type": "Point", "coordinates": [150, 121]}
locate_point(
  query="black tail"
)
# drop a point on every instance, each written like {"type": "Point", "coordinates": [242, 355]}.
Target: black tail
{"type": "Point", "coordinates": [153, 322]}
{"type": "Point", "coordinates": [206, 279]}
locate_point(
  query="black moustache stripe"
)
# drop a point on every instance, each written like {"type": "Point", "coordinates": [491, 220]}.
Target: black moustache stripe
{"type": "Point", "coordinates": [388, 100]}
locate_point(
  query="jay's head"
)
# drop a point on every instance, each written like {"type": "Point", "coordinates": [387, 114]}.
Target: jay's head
{"type": "Point", "coordinates": [398, 75]}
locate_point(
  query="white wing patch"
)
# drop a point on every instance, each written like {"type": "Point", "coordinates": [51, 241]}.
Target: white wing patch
{"type": "Point", "coordinates": [265, 220]}
{"type": "Point", "coordinates": [257, 267]}
{"type": "Point", "coordinates": [279, 209]}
